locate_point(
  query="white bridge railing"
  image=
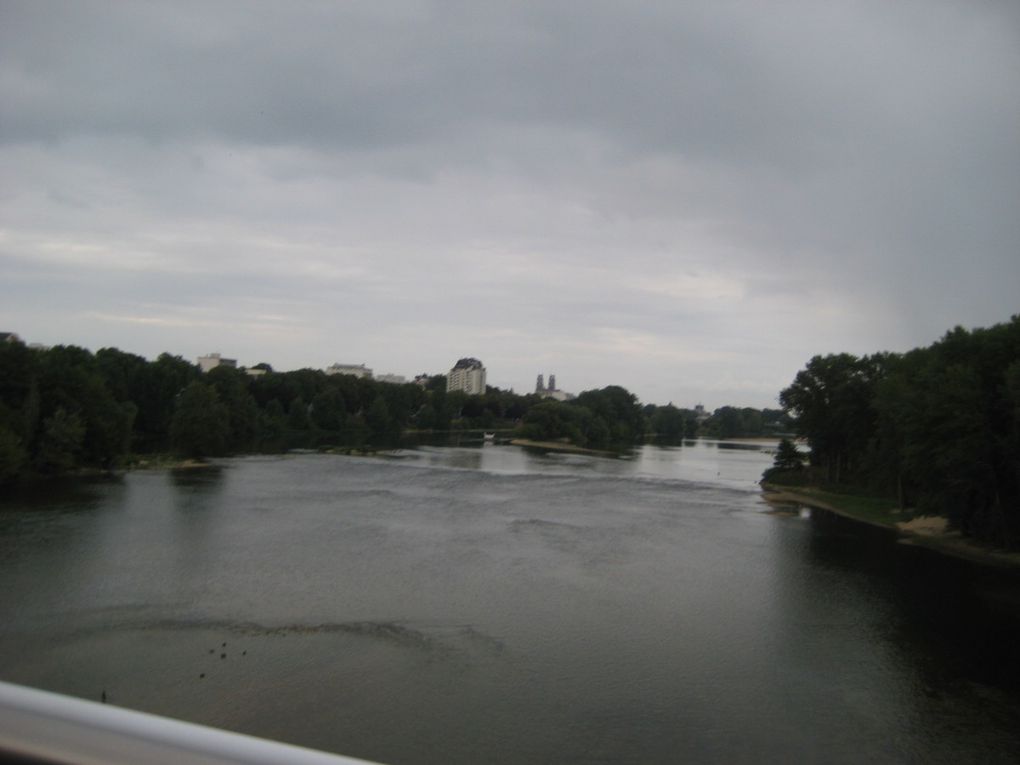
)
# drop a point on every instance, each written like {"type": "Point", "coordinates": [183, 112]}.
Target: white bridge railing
{"type": "Point", "coordinates": [41, 727]}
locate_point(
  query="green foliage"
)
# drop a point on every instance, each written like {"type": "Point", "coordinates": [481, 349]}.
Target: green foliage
{"type": "Point", "coordinates": [12, 455]}
{"type": "Point", "coordinates": [154, 392]}
{"type": "Point", "coordinates": [609, 417]}
{"type": "Point", "coordinates": [242, 413]}
{"type": "Point", "coordinates": [380, 422]}
{"type": "Point", "coordinates": [787, 456]}
{"type": "Point", "coordinates": [831, 400]}
{"type": "Point", "coordinates": [201, 424]}
{"type": "Point", "coordinates": [118, 402]}
{"type": "Point", "coordinates": [553, 421]}
{"type": "Point", "coordinates": [619, 411]}
{"type": "Point", "coordinates": [726, 422]}
{"type": "Point", "coordinates": [746, 422]}
{"type": "Point", "coordinates": [938, 427]}
{"type": "Point", "coordinates": [272, 427]}
{"type": "Point", "coordinates": [667, 422]}
{"type": "Point", "coordinates": [61, 442]}
{"type": "Point", "coordinates": [426, 417]}
{"type": "Point", "coordinates": [297, 415]}
{"type": "Point", "coordinates": [329, 412]}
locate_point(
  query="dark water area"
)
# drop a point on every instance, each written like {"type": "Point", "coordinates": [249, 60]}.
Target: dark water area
{"type": "Point", "coordinates": [458, 605]}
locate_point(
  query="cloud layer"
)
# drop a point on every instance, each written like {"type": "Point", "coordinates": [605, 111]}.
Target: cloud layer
{"type": "Point", "coordinates": [686, 199]}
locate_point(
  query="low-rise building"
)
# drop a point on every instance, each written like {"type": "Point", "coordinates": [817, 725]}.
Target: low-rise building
{"type": "Point", "coordinates": [213, 360]}
{"type": "Point", "coordinates": [358, 370]}
{"type": "Point", "coordinates": [467, 375]}
{"type": "Point", "coordinates": [262, 368]}
{"type": "Point", "coordinates": [392, 379]}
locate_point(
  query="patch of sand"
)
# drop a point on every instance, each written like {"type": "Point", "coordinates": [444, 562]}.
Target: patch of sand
{"type": "Point", "coordinates": [925, 525]}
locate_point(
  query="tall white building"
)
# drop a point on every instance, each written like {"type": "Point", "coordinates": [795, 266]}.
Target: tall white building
{"type": "Point", "coordinates": [358, 370]}
{"type": "Point", "coordinates": [467, 375]}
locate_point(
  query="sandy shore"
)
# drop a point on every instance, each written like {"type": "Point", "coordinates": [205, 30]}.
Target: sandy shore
{"type": "Point", "coordinates": [930, 532]}
{"type": "Point", "coordinates": [925, 525]}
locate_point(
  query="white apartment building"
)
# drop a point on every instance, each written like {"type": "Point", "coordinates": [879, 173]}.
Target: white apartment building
{"type": "Point", "coordinates": [213, 360]}
{"type": "Point", "coordinates": [358, 370]}
{"type": "Point", "coordinates": [467, 375]}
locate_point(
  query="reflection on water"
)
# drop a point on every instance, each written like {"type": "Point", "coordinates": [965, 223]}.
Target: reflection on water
{"type": "Point", "coordinates": [488, 603]}
{"type": "Point", "coordinates": [203, 477]}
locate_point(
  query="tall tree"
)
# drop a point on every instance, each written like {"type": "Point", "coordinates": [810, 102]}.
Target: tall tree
{"type": "Point", "coordinates": [200, 426]}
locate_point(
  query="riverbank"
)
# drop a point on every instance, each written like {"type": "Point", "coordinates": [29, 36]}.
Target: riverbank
{"type": "Point", "coordinates": [164, 462]}
{"type": "Point", "coordinates": [560, 446]}
{"type": "Point", "coordinates": [930, 532]}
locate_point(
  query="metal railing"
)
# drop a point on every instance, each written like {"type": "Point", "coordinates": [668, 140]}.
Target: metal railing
{"type": "Point", "coordinates": [42, 727]}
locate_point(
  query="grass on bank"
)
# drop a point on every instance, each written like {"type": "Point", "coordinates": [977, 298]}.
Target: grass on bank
{"type": "Point", "coordinates": [878, 511]}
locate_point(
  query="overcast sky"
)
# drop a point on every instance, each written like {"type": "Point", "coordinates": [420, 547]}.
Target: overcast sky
{"type": "Point", "coordinates": [689, 199]}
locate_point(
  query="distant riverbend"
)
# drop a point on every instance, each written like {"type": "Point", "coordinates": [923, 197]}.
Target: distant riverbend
{"type": "Point", "coordinates": [492, 603]}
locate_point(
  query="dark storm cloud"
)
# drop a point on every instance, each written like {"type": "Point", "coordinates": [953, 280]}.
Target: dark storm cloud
{"type": "Point", "coordinates": [708, 191]}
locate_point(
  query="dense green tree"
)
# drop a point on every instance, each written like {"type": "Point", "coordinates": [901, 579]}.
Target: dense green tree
{"type": "Point", "coordinates": [436, 383]}
{"type": "Point", "coordinates": [12, 455]}
{"type": "Point", "coordinates": [61, 442]}
{"type": "Point", "coordinates": [272, 427]}
{"type": "Point", "coordinates": [552, 420]}
{"type": "Point", "coordinates": [936, 427]}
{"type": "Point", "coordinates": [329, 411]}
{"type": "Point", "coordinates": [201, 424]}
{"type": "Point", "coordinates": [425, 419]}
{"type": "Point", "coordinates": [619, 409]}
{"type": "Point", "coordinates": [666, 422]}
{"type": "Point", "coordinates": [242, 412]}
{"type": "Point", "coordinates": [596, 431]}
{"type": "Point", "coordinates": [831, 400]}
{"type": "Point", "coordinates": [69, 378]}
{"type": "Point", "coordinates": [124, 374]}
{"type": "Point", "coordinates": [726, 422]}
{"type": "Point", "coordinates": [787, 456]}
{"type": "Point", "coordinates": [159, 385]}
{"type": "Point", "coordinates": [18, 372]}
{"type": "Point", "coordinates": [379, 421]}
{"type": "Point", "coordinates": [297, 415]}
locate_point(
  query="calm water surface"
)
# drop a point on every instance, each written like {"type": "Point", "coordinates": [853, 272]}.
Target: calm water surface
{"type": "Point", "coordinates": [466, 605]}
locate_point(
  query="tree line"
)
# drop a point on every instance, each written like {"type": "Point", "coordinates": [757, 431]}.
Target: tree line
{"type": "Point", "coordinates": [937, 428]}
{"type": "Point", "coordinates": [66, 408]}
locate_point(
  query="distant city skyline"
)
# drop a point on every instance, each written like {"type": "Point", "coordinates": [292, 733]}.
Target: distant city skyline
{"type": "Point", "coordinates": [686, 199]}
{"type": "Point", "coordinates": [710, 400]}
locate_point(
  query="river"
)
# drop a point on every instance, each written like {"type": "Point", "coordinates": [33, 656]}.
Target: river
{"type": "Point", "coordinates": [488, 604]}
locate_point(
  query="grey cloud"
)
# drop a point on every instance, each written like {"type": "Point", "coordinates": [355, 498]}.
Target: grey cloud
{"type": "Point", "coordinates": [841, 174]}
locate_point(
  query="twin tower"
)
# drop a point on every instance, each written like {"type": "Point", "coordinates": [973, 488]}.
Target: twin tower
{"type": "Point", "coordinates": [540, 384]}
